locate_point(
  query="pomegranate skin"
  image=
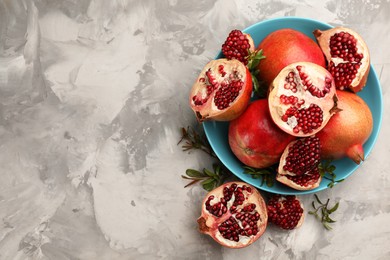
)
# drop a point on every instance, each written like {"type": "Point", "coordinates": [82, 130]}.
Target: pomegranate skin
{"type": "Point", "coordinates": [348, 130]}
{"type": "Point", "coordinates": [255, 139]}
{"type": "Point", "coordinates": [283, 47]}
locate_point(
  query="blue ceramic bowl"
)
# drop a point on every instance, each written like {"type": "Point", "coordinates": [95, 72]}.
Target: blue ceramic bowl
{"type": "Point", "coordinates": [217, 132]}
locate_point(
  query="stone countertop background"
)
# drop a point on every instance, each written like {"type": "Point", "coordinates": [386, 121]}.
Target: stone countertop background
{"type": "Point", "coordinates": [92, 96]}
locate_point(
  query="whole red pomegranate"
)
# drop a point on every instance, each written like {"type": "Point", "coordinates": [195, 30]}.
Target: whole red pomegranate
{"type": "Point", "coordinates": [347, 55]}
{"type": "Point", "coordinates": [222, 91]}
{"type": "Point", "coordinates": [348, 130]}
{"type": "Point", "coordinates": [255, 139]}
{"type": "Point", "coordinates": [283, 47]}
{"type": "Point", "coordinates": [302, 98]}
{"type": "Point", "coordinates": [234, 215]}
{"type": "Point", "coordinates": [298, 167]}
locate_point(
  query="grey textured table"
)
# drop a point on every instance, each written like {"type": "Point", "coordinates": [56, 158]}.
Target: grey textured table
{"type": "Point", "coordinates": [92, 94]}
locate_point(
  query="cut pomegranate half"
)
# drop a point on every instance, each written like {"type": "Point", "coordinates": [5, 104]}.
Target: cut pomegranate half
{"type": "Point", "coordinates": [347, 55]}
{"type": "Point", "coordinates": [222, 91]}
{"type": "Point", "coordinates": [302, 98]}
{"type": "Point", "coordinates": [234, 215]}
{"type": "Point", "coordinates": [298, 167]}
{"type": "Point", "coordinates": [238, 45]}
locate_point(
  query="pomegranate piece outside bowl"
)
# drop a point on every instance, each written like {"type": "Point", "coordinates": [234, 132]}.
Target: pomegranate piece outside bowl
{"type": "Point", "coordinates": [217, 132]}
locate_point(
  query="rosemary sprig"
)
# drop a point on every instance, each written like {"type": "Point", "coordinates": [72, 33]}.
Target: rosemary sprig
{"type": "Point", "coordinates": [322, 209]}
{"type": "Point", "coordinates": [327, 168]}
{"type": "Point", "coordinates": [254, 59]}
{"type": "Point", "coordinates": [208, 179]}
{"type": "Point", "coordinates": [194, 141]}
{"type": "Point", "coordinates": [266, 174]}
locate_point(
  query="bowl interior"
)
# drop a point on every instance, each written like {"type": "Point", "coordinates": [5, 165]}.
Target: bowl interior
{"type": "Point", "coordinates": [217, 132]}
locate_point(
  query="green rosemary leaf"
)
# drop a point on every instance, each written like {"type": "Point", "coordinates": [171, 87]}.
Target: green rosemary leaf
{"type": "Point", "coordinates": [217, 168]}
{"type": "Point", "coordinates": [329, 220]}
{"type": "Point", "coordinates": [209, 173]}
{"type": "Point", "coordinates": [313, 204]}
{"type": "Point", "coordinates": [256, 86]}
{"type": "Point", "coordinates": [208, 184]}
{"type": "Point", "coordinates": [254, 59]}
{"type": "Point", "coordinates": [318, 199]}
{"type": "Point", "coordinates": [195, 173]}
{"type": "Point", "coordinates": [327, 226]}
{"type": "Point", "coordinates": [324, 215]}
{"type": "Point", "coordinates": [334, 208]}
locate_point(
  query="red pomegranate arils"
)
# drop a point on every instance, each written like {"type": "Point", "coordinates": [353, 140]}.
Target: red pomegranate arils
{"type": "Point", "coordinates": [238, 46]}
{"type": "Point", "coordinates": [298, 166]}
{"type": "Point", "coordinates": [285, 212]}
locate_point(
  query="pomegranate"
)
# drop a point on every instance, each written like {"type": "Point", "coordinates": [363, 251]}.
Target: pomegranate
{"type": "Point", "coordinates": [302, 98]}
{"type": "Point", "coordinates": [298, 167]}
{"type": "Point", "coordinates": [255, 139]}
{"type": "Point", "coordinates": [283, 47]}
{"type": "Point", "coordinates": [285, 212]}
{"type": "Point", "coordinates": [348, 130]}
{"type": "Point", "coordinates": [234, 215]}
{"type": "Point", "coordinates": [222, 91]}
{"type": "Point", "coordinates": [347, 55]}
{"type": "Point", "coordinates": [238, 45]}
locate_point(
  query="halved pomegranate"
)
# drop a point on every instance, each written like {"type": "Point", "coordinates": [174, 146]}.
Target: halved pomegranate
{"type": "Point", "coordinates": [234, 215]}
{"type": "Point", "coordinates": [222, 91]}
{"type": "Point", "coordinates": [285, 212]}
{"type": "Point", "coordinates": [348, 57]}
{"type": "Point", "coordinates": [298, 167]}
{"type": "Point", "coordinates": [302, 98]}
{"type": "Point", "coordinates": [238, 45]}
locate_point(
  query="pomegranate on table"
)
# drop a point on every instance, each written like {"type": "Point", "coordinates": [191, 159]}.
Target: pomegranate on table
{"type": "Point", "coordinates": [347, 55]}
{"type": "Point", "coordinates": [238, 45]}
{"type": "Point", "coordinates": [285, 212]}
{"type": "Point", "coordinates": [298, 167]}
{"type": "Point", "coordinates": [348, 130]}
{"type": "Point", "coordinates": [234, 215]}
{"type": "Point", "coordinates": [302, 98]}
{"type": "Point", "coordinates": [283, 47]}
{"type": "Point", "coordinates": [255, 139]}
{"type": "Point", "coordinates": [222, 91]}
